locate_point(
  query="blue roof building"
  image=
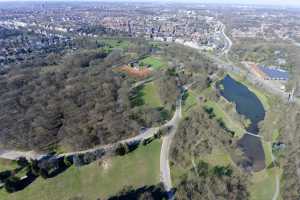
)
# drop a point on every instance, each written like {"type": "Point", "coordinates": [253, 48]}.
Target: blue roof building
{"type": "Point", "coordinates": [274, 73]}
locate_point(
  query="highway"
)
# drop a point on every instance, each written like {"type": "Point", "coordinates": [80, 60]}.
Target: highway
{"type": "Point", "coordinates": [228, 42]}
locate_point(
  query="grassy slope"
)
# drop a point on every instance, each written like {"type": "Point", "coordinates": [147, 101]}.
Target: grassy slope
{"type": "Point", "coordinates": [151, 96]}
{"type": "Point", "coordinates": [123, 44]}
{"type": "Point", "coordinates": [263, 184]}
{"type": "Point", "coordinates": [220, 113]}
{"type": "Point", "coordinates": [189, 103]}
{"type": "Point", "coordinates": [218, 157]}
{"type": "Point", "coordinates": [155, 62]}
{"type": "Point", "coordinates": [138, 168]}
{"type": "Point", "coordinates": [7, 165]}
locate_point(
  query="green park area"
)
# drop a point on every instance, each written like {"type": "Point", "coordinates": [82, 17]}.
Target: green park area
{"type": "Point", "coordinates": [99, 179]}
{"type": "Point", "coordinates": [223, 116]}
{"type": "Point", "coordinates": [263, 184]}
{"type": "Point", "coordinates": [147, 95]}
{"type": "Point", "coordinates": [153, 62]}
{"type": "Point", "coordinates": [151, 95]}
{"type": "Point", "coordinates": [116, 43]}
{"type": "Point", "coordinates": [218, 156]}
{"type": "Point", "coordinates": [7, 165]}
{"type": "Point", "coordinates": [190, 100]}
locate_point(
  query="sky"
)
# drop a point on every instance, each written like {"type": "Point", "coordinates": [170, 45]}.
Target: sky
{"type": "Point", "coordinates": [258, 2]}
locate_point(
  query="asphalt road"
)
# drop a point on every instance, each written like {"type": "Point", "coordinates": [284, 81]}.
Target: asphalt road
{"type": "Point", "coordinates": [165, 176]}
{"type": "Point", "coordinates": [14, 155]}
{"type": "Point", "coordinates": [228, 43]}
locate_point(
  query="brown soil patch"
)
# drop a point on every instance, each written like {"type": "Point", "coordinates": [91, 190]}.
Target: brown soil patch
{"type": "Point", "coordinates": [135, 72]}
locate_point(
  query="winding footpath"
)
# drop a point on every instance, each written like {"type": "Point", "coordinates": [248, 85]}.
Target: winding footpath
{"type": "Point", "coordinates": [165, 176]}
{"type": "Point", "coordinates": [165, 172]}
{"type": "Point", "coordinates": [14, 155]}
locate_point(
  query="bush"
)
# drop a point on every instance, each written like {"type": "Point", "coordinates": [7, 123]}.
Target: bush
{"type": "Point", "coordinates": [11, 184]}
{"type": "Point", "coordinates": [122, 149]}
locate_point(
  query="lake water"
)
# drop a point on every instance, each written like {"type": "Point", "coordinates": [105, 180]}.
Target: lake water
{"type": "Point", "coordinates": [247, 104]}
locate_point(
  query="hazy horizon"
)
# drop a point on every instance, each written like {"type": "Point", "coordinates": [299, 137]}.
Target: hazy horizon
{"type": "Point", "coordinates": [238, 2]}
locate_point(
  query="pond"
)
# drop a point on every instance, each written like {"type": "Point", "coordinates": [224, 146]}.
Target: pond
{"type": "Point", "coordinates": [248, 105]}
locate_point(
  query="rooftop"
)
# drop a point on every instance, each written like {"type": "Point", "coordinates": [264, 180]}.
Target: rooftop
{"type": "Point", "coordinates": [275, 72]}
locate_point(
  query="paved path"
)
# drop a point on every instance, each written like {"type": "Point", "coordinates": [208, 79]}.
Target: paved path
{"type": "Point", "coordinates": [14, 155]}
{"type": "Point", "coordinates": [165, 176]}
{"type": "Point", "coordinates": [146, 135]}
{"type": "Point", "coordinates": [277, 180]}
{"type": "Point", "coordinates": [254, 135]}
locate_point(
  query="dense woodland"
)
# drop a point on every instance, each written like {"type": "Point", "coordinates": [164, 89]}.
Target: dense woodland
{"type": "Point", "coordinates": [212, 182]}
{"type": "Point", "coordinates": [198, 134]}
{"type": "Point", "coordinates": [75, 101]}
{"type": "Point", "coordinates": [289, 158]}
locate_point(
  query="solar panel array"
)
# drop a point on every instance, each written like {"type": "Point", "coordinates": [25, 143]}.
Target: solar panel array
{"type": "Point", "coordinates": [275, 73]}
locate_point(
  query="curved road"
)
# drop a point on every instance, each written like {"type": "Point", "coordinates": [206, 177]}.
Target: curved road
{"type": "Point", "coordinates": [228, 43]}
{"type": "Point", "coordinates": [14, 155]}
{"type": "Point", "coordinates": [165, 176]}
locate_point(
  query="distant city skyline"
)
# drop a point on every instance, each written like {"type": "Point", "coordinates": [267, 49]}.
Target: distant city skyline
{"type": "Point", "coordinates": [249, 2]}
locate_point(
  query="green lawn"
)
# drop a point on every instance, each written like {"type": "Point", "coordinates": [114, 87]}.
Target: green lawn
{"type": "Point", "coordinates": [151, 95]}
{"type": "Point", "coordinates": [263, 184]}
{"type": "Point", "coordinates": [7, 165]}
{"type": "Point", "coordinates": [218, 157]}
{"type": "Point", "coordinates": [114, 43]}
{"type": "Point", "coordinates": [268, 152]}
{"type": "Point", "coordinates": [275, 135]}
{"type": "Point", "coordinates": [93, 181]}
{"type": "Point", "coordinates": [229, 122]}
{"type": "Point", "coordinates": [154, 62]}
{"type": "Point", "coordinates": [177, 173]}
{"type": "Point", "coordinates": [189, 103]}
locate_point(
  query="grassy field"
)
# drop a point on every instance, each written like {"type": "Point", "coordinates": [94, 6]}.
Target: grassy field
{"type": "Point", "coordinates": [230, 123]}
{"type": "Point", "coordinates": [189, 103]}
{"type": "Point", "coordinates": [151, 96]}
{"type": "Point", "coordinates": [263, 184]}
{"type": "Point", "coordinates": [268, 152]}
{"type": "Point", "coordinates": [114, 43]}
{"type": "Point", "coordinates": [7, 165]}
{"type": "Point", "coordinates": [93, 181]}
{"type": "Point", "coordinates": [275, 135]}
{"type": "Point", "coordinates": [177, 173]}
{"type": "Point", "coordinates": [218, 157]}
{"type": "Point", "coordinates": [154, 62]}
